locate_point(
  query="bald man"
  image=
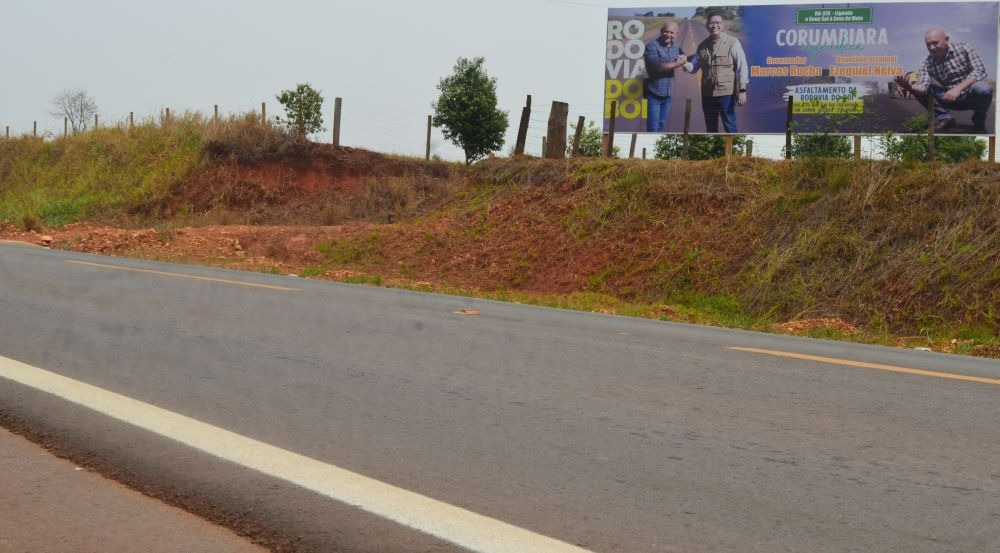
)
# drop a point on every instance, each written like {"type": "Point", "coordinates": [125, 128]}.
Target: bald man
{"type": "Point", "coordinates": [955, 76]}
{"type": "Point", "coordinates": [661, 59]}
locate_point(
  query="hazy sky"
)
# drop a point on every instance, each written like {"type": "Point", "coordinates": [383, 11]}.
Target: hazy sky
{"type": "Point", "coordinates": [384, 58]}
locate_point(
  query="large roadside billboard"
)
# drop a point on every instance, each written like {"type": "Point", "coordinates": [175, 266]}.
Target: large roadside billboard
{"type": "Point", "coordinates": [849, 68]}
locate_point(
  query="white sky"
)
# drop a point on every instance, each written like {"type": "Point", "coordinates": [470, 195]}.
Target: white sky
{"type": "Point", "coordinates": [384, 58]}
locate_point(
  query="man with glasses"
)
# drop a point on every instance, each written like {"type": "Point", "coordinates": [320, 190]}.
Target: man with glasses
{"type": "Point", "coordinates": [724, 75]}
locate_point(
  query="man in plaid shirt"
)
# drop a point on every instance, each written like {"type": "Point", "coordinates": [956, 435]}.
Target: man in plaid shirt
{"type": "Point", "coordinates": [955, 76]}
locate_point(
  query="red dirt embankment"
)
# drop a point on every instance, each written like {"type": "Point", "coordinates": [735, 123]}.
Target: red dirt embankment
{"type": "Point", "coordinates": [829, 248]}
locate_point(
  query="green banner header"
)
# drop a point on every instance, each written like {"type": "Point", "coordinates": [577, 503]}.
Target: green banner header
{"type": "Point", "coordinates": [829, 16]}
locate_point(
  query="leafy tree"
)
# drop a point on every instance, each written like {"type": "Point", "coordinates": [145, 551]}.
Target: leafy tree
{"type": "Point", "coordinates": [700, 146]}
{"type": "Point", "coordinates": [75, 105]}
{"type": "Point", "coordinates": [821, 145]}
{"type": "Point", "coordinates": [591, 142]}
{"type": "Point", "coordinates": [914, 147]}
{"type": "Point", "coordinates": [303, 110]}
{"type": "Point", "coordinates": [466, 111]}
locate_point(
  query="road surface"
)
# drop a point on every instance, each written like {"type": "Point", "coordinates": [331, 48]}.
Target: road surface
{"type": "Point", "coordinates": [333, 417]}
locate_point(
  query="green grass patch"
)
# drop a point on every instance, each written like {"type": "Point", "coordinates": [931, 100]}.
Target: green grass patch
{"type": "Point", "coordinates": [310, 271]}
{"type": "Point", "coordinates": [351, 250]}
{"type": "Point", "coordinates": [367, 280]}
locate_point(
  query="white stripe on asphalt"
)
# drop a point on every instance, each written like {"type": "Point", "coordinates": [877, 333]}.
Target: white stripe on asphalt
{"type": "Point", "coordinates": [453, 524]}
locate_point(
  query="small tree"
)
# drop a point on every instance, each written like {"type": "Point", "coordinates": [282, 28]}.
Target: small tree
{"type": "Point", "coordinates": [303, 110]}
{"type": "Point", "coordinates": [821, 145]}
{"type": "Point", "coordinates": [700, 146]}
{"type": "Point", "coordinates": [466, 111]}
{"type": "Point", "coordinates": [914, 147]}
{"type": "Point", "coordinates": [76, 106]}
{"type": "Point", "coordinates": [591, 142]}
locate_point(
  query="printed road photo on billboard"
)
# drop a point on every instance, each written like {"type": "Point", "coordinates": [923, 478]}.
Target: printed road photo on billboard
{"type": "Point", "coordinates": [848, 68]}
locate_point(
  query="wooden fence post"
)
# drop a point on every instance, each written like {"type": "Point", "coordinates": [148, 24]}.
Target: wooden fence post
{"type": "Point", "coordinates": [556, 132]}
{"type": "Point", "coordinates": [644, 153]}
{"type": "Point", "coordinates": [522, 129]}
{"type": "Point", "coordinates": [427, 155]}
{"type": "Point", "coordinates": [729, 146]}
{"type": "Point", "coordinates": [216, 108]}
{"type": "Point", "coordinates": [577, 136]}
{"type": "Point", "coordinates": [992, 148]}
{"type": "Point", "coordinates": [34, 128]}
{"type": "Point", "coordinates": [131, 119]}
{"type": "Point", "coordinates": [788, 130]}
{"type": "Point", "coordinates": [857, 147]}
{"type": "Point", "coordinates": [8, 131]}
{"type": "Point", "coordinates": [263, 113]}
{"type": "Point", "coordinates": [65, 127]}
{"type": "Point", "coordinates": [95, 120]}
{"type": "Point", "coordinates": [337, 105]}
{"type": "Point", "coordinates": [631, 148]}
{"type": "Point", "coordinates": [749, 144]}
{"type": "Point", "coordinates": [544, 146]}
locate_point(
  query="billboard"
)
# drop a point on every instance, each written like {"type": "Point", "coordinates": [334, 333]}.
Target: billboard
{"type": "Point", "coordinates": [848, 68]}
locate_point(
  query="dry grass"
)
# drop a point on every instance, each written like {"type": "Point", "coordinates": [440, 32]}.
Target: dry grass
{"type": "Point", "coordinates": [245, 139]}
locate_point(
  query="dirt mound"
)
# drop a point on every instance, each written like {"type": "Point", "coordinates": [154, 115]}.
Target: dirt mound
{"type": "Point", "coordinates": [311, 185]}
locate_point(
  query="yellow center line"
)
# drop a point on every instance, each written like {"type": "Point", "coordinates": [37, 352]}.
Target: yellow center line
{"type": "Point", "coordinates": [179, 275]}
{"type": "Point", "coordinates": [878, 366]}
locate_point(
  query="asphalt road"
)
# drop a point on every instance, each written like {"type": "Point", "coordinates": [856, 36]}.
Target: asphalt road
{"type": "Point", "coordinates": [601, 432]}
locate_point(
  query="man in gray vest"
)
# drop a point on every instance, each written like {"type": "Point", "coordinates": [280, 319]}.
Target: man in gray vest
{"type": "Point", "coordinates": [724, 74]}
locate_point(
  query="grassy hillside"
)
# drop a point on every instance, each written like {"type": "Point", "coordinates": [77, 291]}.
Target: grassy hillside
{"type": "Point", "coordinates": [895, 250]}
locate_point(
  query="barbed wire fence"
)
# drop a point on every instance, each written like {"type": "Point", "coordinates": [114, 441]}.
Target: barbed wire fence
{"type": "Point", "coordinates": [401, 132]}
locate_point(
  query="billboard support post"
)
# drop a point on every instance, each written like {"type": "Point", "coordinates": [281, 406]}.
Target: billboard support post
{"type": "Point", "coordinates": [631, 148]}
{"type": "Point", "coordinates": [930, 127]}
{"type": "Point", "coordinates": [577, 136]}
{"type": "Point", "coordinates": [687, 126]}
{"type": "Point", "coordinates": [788, 130]}
{"type": "Point", "coordinates": [610, 146]}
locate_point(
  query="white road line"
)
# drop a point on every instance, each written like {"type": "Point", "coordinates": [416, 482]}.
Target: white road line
{"type": "Point", "coordinates": [181, 275]}
{"type": "Point", "coordinates": [453, 524]}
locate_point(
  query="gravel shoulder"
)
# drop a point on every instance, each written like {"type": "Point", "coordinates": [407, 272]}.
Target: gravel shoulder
{"type": "Point", "coordinates": [50, 504]}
